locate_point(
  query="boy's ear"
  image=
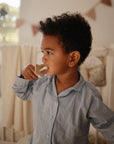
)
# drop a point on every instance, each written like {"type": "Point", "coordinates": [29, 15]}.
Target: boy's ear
{"type": "Point", "coordinates": [74, 58]}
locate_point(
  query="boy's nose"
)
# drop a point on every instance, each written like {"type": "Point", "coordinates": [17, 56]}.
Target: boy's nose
{"type": "Point", "coordinates": [43, 59]}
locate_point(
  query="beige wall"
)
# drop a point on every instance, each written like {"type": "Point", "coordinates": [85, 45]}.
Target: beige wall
{"type": "Point", "coordinates": [34, 10]}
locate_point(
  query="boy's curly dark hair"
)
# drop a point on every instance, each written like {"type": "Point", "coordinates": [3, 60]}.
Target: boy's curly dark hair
{"type": "Point", "coordinates": [72, 30]}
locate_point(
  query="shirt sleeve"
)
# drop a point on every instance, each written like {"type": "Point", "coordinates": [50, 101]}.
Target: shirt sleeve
{"type": "Point", "coordinates": [102, 118]}
{"type": "Point", "coordinates": [23, 88]}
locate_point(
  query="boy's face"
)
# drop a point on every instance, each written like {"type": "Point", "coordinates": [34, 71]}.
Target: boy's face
{"type": "Point", "coordinates": [54, 57]}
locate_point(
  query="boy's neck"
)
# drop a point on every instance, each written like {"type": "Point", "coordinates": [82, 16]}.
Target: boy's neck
{"type": "Point", "coordinates": [67, 80]}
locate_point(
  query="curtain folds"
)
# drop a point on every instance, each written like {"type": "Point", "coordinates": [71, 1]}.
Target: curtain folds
{"type": "Point", "coordinates": [15, 112]}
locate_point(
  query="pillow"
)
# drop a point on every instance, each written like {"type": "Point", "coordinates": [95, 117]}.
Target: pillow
{"type": "Point", "coordinates": [93, 69]}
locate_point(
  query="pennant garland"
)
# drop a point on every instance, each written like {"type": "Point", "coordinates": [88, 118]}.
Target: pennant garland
{"type": "Point", "coordinates": [20, 22]}
{"type": "Point", "coordinates": [91, 13]}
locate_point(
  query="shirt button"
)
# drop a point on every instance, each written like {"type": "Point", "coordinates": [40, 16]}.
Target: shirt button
{"type": "Point", "coordinates": [47, 136]}
{"type": "Point", "coordinates": [51, 117]}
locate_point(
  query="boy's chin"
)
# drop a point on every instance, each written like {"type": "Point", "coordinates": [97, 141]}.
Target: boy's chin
{"type": "Point", "coordinates": [50, 74]}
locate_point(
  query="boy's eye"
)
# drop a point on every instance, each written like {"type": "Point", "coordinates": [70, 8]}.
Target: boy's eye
{"type": "Point", "coordinates": [42, 52]}
{"type": "Point", "coordinates": [49, 53]}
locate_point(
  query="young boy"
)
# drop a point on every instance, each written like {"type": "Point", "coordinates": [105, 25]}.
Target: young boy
{"type": "Point", "coordinates": [64, 104]}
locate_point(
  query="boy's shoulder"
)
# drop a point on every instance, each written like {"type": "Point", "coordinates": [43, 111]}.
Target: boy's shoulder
{"type": "Point", "coordinates": [91, 90]}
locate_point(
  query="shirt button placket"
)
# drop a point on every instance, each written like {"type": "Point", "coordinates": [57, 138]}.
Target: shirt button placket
{"type": "Point", "coordinates": [47, 136]}
{"type": "Point", "coordinates": [51, 117]}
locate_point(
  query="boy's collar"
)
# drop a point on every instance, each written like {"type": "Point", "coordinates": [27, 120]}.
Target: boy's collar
{"type": "Point", "coordinates": [77, 87]}
{"type": "Point", "coordinates": [79, 84]}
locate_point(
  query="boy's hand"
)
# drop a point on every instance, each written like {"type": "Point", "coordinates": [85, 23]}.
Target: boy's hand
{"type": "Point", "coordinates": [29, 73]}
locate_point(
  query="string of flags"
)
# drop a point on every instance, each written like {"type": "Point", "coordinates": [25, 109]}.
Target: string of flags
{"type": "Point", "coordinates": [20, 22]}
{"type": "Point", "coordinates": [90, 13]}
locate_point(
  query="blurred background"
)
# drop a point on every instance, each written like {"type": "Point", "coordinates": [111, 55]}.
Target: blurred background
{"type": "Point", "coordinates": [27, 13]}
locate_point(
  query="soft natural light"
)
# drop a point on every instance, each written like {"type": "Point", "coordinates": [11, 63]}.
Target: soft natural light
{"type": "Point", "coordinates": [14, 3]}
{"type": "Point", "coordinates": [9, 11]}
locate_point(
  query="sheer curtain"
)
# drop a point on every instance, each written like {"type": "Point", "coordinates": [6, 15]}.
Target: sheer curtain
{"type": "Point", "coordinates": [16, 114]}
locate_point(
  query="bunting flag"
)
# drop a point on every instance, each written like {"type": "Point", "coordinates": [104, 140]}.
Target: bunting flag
{"type": "Point", "coordinates": [107, 2]}
{"type": "Point", "coordinates": [35, 29]}
{"type": "Point", "coordinates": [91, 13]}
{"type": "Point", "coordinates": [19, 23]}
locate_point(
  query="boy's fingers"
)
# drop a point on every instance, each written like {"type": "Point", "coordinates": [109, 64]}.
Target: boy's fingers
{"type": "Point", "coordinates": [26, 76]}
{"type": "Point", "coordinates": [29, 73]}
{"type": "Point", "coordinates": [31, 67]}
{"type": "Point", "coordinates": [32, 74]}
{"type": "Point", "coordinates": [29, 76]}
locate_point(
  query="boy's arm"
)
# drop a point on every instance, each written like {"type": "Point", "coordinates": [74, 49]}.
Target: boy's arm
{"type": "Point", "coordinates": [23, 88]}
{"type": "Point", "coordinates": [102, 118]}
{"type": "Point", "coordinates": [23, 85]}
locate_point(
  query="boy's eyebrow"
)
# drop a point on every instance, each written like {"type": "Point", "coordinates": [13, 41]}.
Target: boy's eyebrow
{"type": "Point", "coordinates": [47, 49]}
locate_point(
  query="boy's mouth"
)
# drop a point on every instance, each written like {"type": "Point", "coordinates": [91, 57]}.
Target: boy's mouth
{"type": "Point", "coordinates": [45, 68]}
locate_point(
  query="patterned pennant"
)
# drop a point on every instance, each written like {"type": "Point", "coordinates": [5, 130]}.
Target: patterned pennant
{"type": "Point", "coordinates": [107, 2]}
{"type": "Point", "coordinates": [35, 29]}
